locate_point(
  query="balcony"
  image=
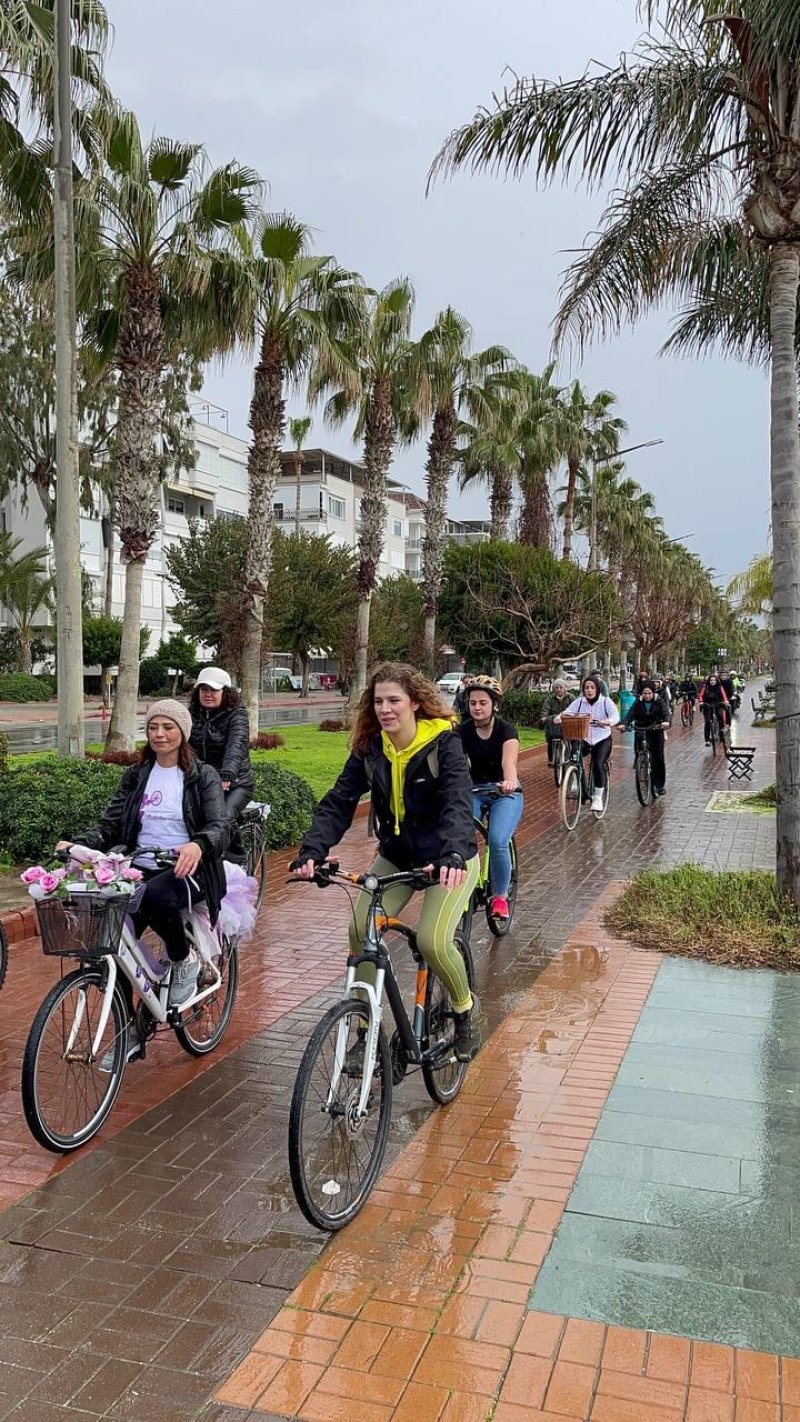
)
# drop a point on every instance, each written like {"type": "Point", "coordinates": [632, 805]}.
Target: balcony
{"type": "Point", "coordinates": [286, 515]}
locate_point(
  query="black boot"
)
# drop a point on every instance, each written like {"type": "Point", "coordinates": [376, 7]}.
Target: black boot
{"type": "Point", "coordinates": [467, 1042]}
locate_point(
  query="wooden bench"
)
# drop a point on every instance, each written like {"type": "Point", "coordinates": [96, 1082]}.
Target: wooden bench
{"type": "Point", "coordinates": [740, 762]}
{"type": "Point", "coordinates": [760, 712]}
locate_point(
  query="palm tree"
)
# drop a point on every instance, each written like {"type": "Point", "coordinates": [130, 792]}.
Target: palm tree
{"type": "Point", "coordinates": [700, 129]}
{"type": "Point", "coordinates": [371, 376]}
{"type": "Point", "coordinates": [489, 447]}
{"type": "Point", "coordinates": [292, 308]}
{"type": "Point", "coordinates": [540, 451]}
{"type": "Point", "coordinates": [586, 431]}
{"type": "Point", "coordinates": [298, 433]}
{"type": "Point", "coordinates": [25, 587]}
{"type": "Point", "coordinates": [753, 590]}
{"type": "Point", "coordinates": [147, 227]}
{"type": "Point", "coordinates": [450, 377]}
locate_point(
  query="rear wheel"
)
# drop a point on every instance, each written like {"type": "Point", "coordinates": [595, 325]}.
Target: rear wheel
{"type": "Point", "coordinates": [641, 771]}
{"type": "Point", "coordinates": [255, 854]}
{"type": "Point", "coordinates": [203, 1027]}
{"type": "Point", "coordinates": [335, 1154]}
{"type": "Point", "coordinates": [67, 1089]}
{"type": "Point", "coordinates": [571, 797]}
{"type": "Point", "coordinates": [443, 1082]}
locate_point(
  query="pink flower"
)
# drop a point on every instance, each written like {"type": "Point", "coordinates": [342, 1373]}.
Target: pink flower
{"type": "Point", "coordinates": [48, 883]}
{"type": "Point", "coordinates": [33, 875]}
{"type": "Point", "coordinates": [129, 872]}
{"type": "Point", "coordinates": [105, 873]}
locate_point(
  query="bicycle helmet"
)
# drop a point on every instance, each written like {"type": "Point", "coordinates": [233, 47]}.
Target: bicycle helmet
{"type": "Point", "coordinates": [489, 684]}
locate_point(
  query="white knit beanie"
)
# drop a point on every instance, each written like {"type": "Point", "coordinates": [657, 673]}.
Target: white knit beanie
{"type": "Point", "coordinates": [174, 710]}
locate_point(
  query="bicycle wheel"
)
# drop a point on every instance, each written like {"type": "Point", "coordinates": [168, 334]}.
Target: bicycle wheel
{"type": "Point", "coordinates": [255, 855]}
{"type": "Point", "coordinates": [641, 772]}
{"type": "Point", "coordinates": [714, 735]}
{"type": "Point", "coordinates": [685, 715]}
{"type": "Point", "coordinates": [571, 797]}
{"type": "Point", "coordinates": [334, 1155]}
{"type": "Point", "coordinates": [500, 926]}
{"type": "Point", "coordinates": [3, 955]}
{"type": "Point", "coordinates": [691, 713]}
{"type": "Point", "coordinates": [204, 1026]}
{"type": "Point", "coordinates": [559, 760]}
{"type": "Point", "coordinates": [65, 1095]}
{"type": "Point", "coordinates": [444, 1082]}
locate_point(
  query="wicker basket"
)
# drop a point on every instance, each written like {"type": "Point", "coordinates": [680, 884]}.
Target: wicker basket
{"type": "Point", "coordinates": [83, 925]}
{"type": "Point", "coordinates": [575, 728]}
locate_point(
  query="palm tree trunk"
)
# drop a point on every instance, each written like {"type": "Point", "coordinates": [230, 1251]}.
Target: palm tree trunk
{"type": "Point", "coordinates": [378, 442]}
{"type": "Point", "coordinates": [267, 420]}
{"type": "Point", "coordinates": [305, 665]}
{"type": "Point", "coordinates": [25, 651]}
{"type": "Point", "coordinates": [127, 697]}
{"type": "Point", "coordinates": [437, 478]}
{"type": "Point", "coordinates": [785, 480]}
{"type": "Point", "coordinates": [500, 503]}
{"type": "Point", "coordinates": [534, 521]}
{"type": "Point", "coordinates": [569, 507]}
{"type": "Point", "coordinates": [140, 358]}
{"type": "Point", "coordinates": [298, 474]}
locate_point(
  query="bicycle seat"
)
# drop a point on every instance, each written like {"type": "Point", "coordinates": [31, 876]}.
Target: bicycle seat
{"type": "Point", "coordinates": [254, 810]}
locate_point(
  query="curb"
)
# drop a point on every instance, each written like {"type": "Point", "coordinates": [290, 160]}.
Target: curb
{"type": "Point", "coordinates": [20, 923]}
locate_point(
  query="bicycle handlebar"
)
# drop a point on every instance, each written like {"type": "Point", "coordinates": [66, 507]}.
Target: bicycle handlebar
{"type": "Point", "coordinates": [325, 873]}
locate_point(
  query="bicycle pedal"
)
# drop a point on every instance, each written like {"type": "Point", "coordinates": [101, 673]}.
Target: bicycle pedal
{"type": "Point", "coordinates": [206, 977]}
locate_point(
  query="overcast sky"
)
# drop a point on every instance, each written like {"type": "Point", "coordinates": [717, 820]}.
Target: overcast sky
{"type": "Point", "coordinates": [342, 106]}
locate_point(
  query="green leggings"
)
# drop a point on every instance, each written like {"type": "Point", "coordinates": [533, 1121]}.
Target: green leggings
{"type": "Point", "coordinates": [441, 913]}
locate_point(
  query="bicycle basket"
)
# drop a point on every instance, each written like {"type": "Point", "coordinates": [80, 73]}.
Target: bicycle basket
{"type": "Point", "coordinates": [83, 925]}
{"type": "Point", "coordinates": [575, 728]}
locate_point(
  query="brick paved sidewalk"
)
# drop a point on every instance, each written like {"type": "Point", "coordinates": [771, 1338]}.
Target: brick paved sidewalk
{"type": "Point", "coordinates": [135, 1280]}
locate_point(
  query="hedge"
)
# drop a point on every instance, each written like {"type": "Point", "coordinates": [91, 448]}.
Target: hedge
{"type": "Point", "coordinates": [3, 752]}
{"type": "Point", "coordinates": [51, 798]}
{"type": "Point", "coordinates": [524, 708]}
{"type": "Point", "coordinates": [18, 686]}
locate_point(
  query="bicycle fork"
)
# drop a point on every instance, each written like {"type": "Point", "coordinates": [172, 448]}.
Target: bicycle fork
{"type": "Point", "coordinates": [80, 1011]}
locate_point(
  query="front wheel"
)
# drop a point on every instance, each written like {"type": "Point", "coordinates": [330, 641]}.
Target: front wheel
{"type": "Point", "coordinates": [334, 1153]}
{"type": "Point", "coordinates": [571, 797]}
{"type": "Point", "coordinates": [67, 1089]}
{"type": "Point", "coordinates": [443, 1082]}
{"type": "Point", "coordinates": [499, 926]}
{"type": "Point", "coordinates": [559, 760]}
{"type": "Point", "coordinates": [641, 772]}
{"type": "Point", "coordinates": [203, 1027]}
{"type": "Point", "coordinates": [685, 716]}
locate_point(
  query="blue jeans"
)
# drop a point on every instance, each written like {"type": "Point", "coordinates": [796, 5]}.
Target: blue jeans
{"type": "Point", "coordinates": [504, 814]}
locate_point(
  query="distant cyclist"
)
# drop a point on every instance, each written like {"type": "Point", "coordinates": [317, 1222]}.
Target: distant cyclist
{"type": "Point", "coordinates": [649, 717]}
{"type": "Point", "coordinates": [689, 689]}
{"type": "Point", "coordinates": [603, 715]}
{"type": "Point", "coordinates": [491, 746]}
{"type": "Point", "coordinates": [714, 701]}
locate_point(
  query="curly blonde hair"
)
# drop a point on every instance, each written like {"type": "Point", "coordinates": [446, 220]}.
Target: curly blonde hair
{"type": "Point", "coordinates": [430, 704]}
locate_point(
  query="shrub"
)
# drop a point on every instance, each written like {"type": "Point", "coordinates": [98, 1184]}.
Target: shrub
{"type": "Point", "coordinates": [120, 757]}
{"type": "Point", "coordinates": [292, 804]}
{"type": "Point", "coordinates": [49, 799]}
{"type": "Point", "coordinates": [331, 724]}
{"type": "Point", "coordinates": [267, 740]}
{"type": "Point", "coordinates": [20, 687]}
{"type": "Point", "coordinates": [524, 708]}
{"type": "Point", "coordinates": [3, 752]}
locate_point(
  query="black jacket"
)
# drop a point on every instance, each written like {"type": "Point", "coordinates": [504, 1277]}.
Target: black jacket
{"type": "Point", "coordinates": [554, 705]}
{"type": "Point", "coordinates": [646, 715]}
{"type": "Point", "coordinates": [222, 739]}
{"type": "Point", "coordinates": [438, 808]}
{"type": "Point", "coordinates": [203, 811]}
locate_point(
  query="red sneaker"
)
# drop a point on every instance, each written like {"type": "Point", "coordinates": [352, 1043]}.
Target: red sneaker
{"type": "Point", "coordinates": [499, 908]}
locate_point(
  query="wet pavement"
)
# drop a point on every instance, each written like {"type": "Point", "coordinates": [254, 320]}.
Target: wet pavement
{"type": "Point", "coordinates": [137, 1278]}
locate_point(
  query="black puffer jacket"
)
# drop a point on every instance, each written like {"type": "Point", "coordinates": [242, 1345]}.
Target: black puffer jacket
{"type": "Point", "coordinates": [222, 739]}
{"type": "Point", "coordinates": [438, 808]}
{"type": "Point", "coordinates": [647, 715]}
{"type": "Point", "coordinates": [203, 811]}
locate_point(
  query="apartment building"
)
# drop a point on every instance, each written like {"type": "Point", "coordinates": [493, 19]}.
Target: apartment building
{"type": "Point", "coordinates": [459, 530]}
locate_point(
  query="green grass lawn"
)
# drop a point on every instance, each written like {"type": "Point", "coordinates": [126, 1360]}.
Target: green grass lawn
{"type": "Point", "coordinates": [319, 755]}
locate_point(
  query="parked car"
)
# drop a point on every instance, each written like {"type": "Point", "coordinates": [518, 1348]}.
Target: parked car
{"type": "Point", "coordinates": [283, 679]}
{"type": "Point", "coordinates": [448, 684]}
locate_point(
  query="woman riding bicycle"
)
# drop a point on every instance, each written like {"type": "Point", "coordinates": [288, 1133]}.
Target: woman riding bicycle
{"type": "Point", "coordinates": [492, 749]}
{"type": "Point", "coordinates": [650, 717]}
{"type": "Point", "coordinates": [405, 752]}
{"type": "Point", "coordinates": [557, 701]}
{"type": "Point", "coordinates": [603, 715]}
{"type": "Point", "coordinates": [169, 800]}
{"type": "Point", "coordinates": [221, 736]}
{"type": "Point", "coordinates": [714, 703]}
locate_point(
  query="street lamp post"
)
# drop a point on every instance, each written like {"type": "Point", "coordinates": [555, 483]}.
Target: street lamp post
{"type": "Point", "coordinates": [69, 630]}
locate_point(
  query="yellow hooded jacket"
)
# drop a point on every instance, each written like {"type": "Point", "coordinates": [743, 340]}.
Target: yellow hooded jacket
{"type": "Point", "coordinates": [427, 731]}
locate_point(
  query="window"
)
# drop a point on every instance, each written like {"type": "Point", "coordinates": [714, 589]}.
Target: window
{"type": "Point", "coordinates": [202, 508]}
{"type": "Point", "coordinates": [277, 512]}
{"type": "Point", "coordinates": [336, 507]}
{"type": "Point", "coordinates": [397, 527]}
{"type": "Point", "coordinates": [176, 506]}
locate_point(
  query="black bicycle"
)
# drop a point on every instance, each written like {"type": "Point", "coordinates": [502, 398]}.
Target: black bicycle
{"type": "Point", "coordinates": [687, 712]}
{"type": "Point", "coordinates": [342, 1100]}
{"type": "Point", "coordinates": [560, 758]}
{"type": "Point", "coordinates": [641, 767]}
{"type": "Point", "coordinates": [253, 834]}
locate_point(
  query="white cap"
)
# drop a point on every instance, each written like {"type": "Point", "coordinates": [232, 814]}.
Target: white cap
{"type": "Point", "coordinates": [214, 677]}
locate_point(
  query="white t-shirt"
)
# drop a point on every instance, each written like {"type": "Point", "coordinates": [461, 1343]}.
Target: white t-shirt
{"type": "Point", "coordinates": [161, 822]}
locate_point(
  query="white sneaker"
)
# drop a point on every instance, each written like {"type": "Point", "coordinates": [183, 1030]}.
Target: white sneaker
{"type": "Point", "coordinates": [597, 801]}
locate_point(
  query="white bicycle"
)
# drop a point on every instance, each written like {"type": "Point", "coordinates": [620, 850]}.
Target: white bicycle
{"type": "Point", "coordinates": [78, 1045]}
